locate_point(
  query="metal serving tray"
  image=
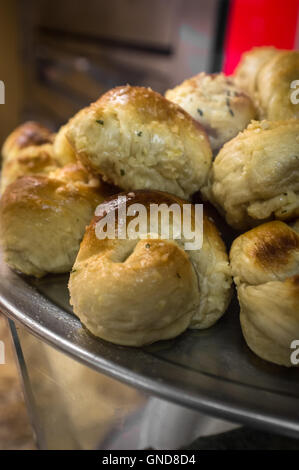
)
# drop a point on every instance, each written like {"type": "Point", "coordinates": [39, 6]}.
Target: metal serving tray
{"type": "Point", "coordinates": [211, 370]}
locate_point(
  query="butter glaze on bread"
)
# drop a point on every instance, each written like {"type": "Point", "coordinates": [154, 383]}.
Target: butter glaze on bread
{"type": "Point", "coordinates": [135, 292]}
{"type": "Point", "coordinates": [32, 149]}
{"type": "Point", "coordinates": [28, 134]}
{"type": "Point", "coordinates": [265, 266]}
{"type": "Point", "coordinates": [137, 139]}
{"type": "Point", "coordinates": [43, 219]}
{"type": "Point", "coordinates": [33, 160]}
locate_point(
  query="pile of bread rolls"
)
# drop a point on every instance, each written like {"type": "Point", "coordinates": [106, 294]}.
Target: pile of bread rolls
{"type": "Point", "coordinates": [233, 139]}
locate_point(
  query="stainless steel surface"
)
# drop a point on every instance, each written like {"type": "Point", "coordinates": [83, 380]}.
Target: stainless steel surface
{"type": "Point", "coordinates": [210, 370]}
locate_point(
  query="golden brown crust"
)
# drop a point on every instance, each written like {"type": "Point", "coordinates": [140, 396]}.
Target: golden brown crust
{"type": "Point", "coordinates": [43, 219]}
{"type": "Point", "coordinates": [269, 251]}
{"type": "Point", "coordinates": [150, 105]}
{"type": "Point", "coordinates": [143, 290]}
{"type": "Point", "coordinates": [36, 191]}
{"type": "Point", "coordinates": [28, 150]}
{"type": "Point", "coordinates": [32, 149]}
{"type": "Point", "coordinates": [275, 249]}
{"type": "Point", "coordinates": [271, 245]}
{"type": "Point", "coordinates": [29, 161]}
{"type": "Point", "coordinates": [137, 139]}
{"type": "Point", "coordinates": [28, 134]}
{"type": "Point", "coordinates": [265, 266]}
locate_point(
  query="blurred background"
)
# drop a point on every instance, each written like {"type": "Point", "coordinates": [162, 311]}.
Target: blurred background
{"type": "Point", "coordinates": [58, 55]}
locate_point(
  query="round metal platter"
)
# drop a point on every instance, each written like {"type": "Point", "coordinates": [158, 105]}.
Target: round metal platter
{"type": "Point", "coordinates": [211, 370]}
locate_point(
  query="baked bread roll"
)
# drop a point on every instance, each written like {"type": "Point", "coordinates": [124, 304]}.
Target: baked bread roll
{"type": "Point", "coordinates": [245, 74]}
{"type": "Point", "coordinates": [43, 219]}
{"type": "Point", "coordinates": [137, 291]}
{"type": "Point", "coordinates": [274, 86]}
{"type": "Point", "coordinates": [265, 266]}
{"type": "Point", "coordinates": [32, 160]}
{"type": "Point", "coordinates": [255, 176]}
{"type": "Point", "coordinates": [28, 134]}
{"type": "Point", "coordinates": [214, 100]}
{"type": "Point", "coordinates": [32, 149]}
{"type": "Point", "coordinates": [137, 139]}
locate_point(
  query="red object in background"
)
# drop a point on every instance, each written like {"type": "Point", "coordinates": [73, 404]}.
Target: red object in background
{"type": "Point", "coordinates": [259, 23]}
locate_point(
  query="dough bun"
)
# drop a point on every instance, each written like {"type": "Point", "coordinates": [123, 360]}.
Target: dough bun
{"type": "Point", "coordinates": [255, 175]}
{"type": "Point", "coordinates": [137, 291]}
{"type": "Point", "coordinates": [267, 75]}
{"type": "Point", "coordinates": [265, 266]}
{"type": "Point", "coordinates": [274, 86]}
{"type": "Point", "coordinates": [216, 103]}
{"type": "Point", "coordinates": [43, 219]}
{"type": "Point", "coordinates": [28, 134]}
{"type": "Point", "coordinates": [137, 139]}
{"type": "Point", "coordinates": [246, 72]}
